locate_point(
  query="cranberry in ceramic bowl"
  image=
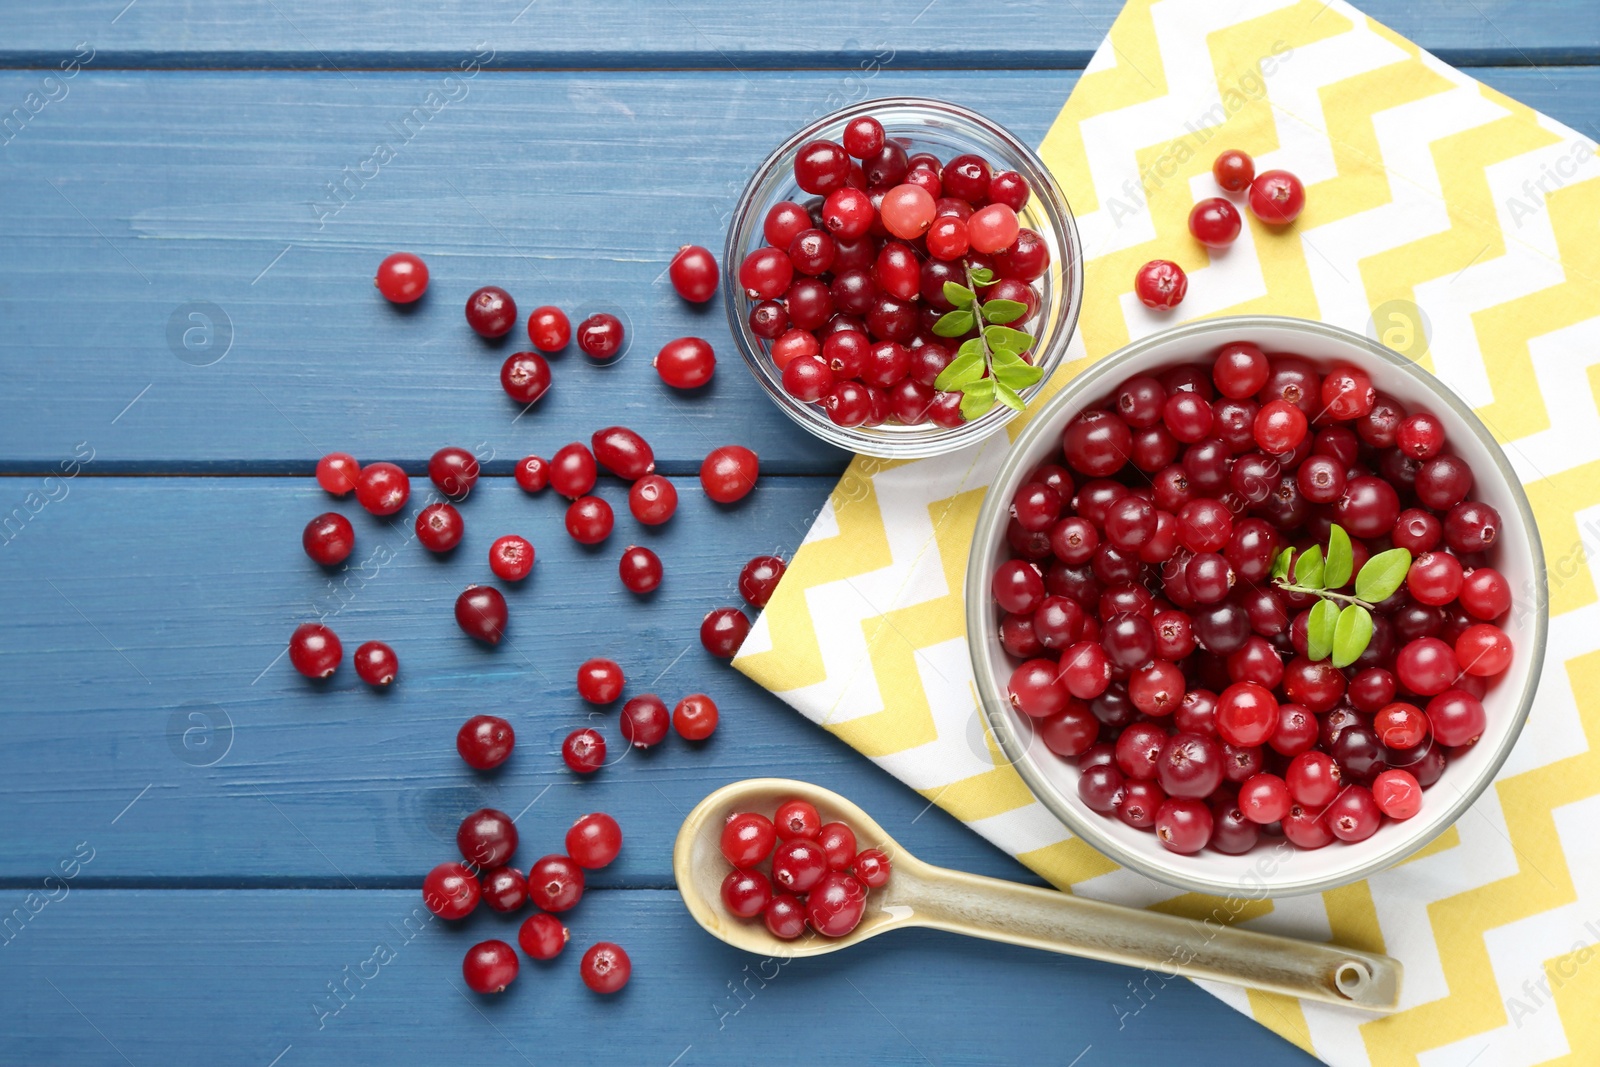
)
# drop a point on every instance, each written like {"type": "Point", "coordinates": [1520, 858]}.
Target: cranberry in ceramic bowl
{"type": "Point", "coordinates": [1243, 592]}
{"type": "Point", "coordinates": [838, 254]}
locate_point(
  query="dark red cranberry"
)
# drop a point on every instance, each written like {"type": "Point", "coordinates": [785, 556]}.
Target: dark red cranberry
{"type": "Point", "coordinates": [504, 889]}
{"type": "Point", "coordinates": [485, 742]}
{"type": "Point", "coordinates": [376, 663]}
{"type": "Point", "coordinates": [542, 936]}
{"type": "Point", "coordinates": [314, 650]}
{"type": "Point", "coordinates": [555, 883]}
{"type": "Point", "coordinates": [491, 312]}
{"type": "Point", "coordinates": [729, 473]}
{"type": "Point", "coordinates": [489, 966]}
{"type": "Point", "coordinates": [487, 837]}
{"type": "Point", "coordinates": [382, 488]}
{"type": "Point", "coordinates": [451, 891]}
{"type": "Point", "coordinates": [481, 613]}
{"type": "Point", "coordinates": [440, 527]}
{"type": "Point", "coordinates": [594, 841]}
{"type": "Point", "coordinates": [600, 336]}
{"type": "Point", "coordinates": [329, 539]}
{"type": "Point", "coordinates": [723, 631]}
{"type": "Point", "coordinates": [694, 273]}
{"type": "Point", "coordinates": [584, 751]}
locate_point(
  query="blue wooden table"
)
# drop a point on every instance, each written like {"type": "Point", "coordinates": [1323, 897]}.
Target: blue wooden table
{"type": "Point", "coordinates": [204, 859]}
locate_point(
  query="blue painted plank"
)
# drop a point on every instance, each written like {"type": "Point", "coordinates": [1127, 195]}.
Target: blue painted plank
{"type": "Point", "coordinates": [578, 190]}
{"type": "Point", "coordinates": [565, 188]}
{"type": "Point", "coordinates": [702, 34]}
{"type": "Point", "coordinates": [205, 977]}
{"type": "Point", "coordinates": [139, 654]}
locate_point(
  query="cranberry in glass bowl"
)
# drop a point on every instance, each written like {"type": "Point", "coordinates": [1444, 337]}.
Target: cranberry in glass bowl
{"type": "Point", "coordinates": [1288, 728]}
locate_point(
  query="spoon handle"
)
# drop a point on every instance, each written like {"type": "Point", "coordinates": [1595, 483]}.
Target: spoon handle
{"type": "Point", "coordinates": [1170, 945]}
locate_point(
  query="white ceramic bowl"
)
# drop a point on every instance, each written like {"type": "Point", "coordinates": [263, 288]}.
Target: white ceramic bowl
{"type": "Point", "coordinates": [1273, 867]}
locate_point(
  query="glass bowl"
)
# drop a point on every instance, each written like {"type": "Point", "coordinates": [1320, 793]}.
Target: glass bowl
{"type": "Point", "coordinates": [946, 130]}
{"type": "Point", "coordinates": [1273, 867]}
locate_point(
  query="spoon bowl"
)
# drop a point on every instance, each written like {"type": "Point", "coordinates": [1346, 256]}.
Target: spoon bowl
{"type": "Point", "coordinates": [921, 894]}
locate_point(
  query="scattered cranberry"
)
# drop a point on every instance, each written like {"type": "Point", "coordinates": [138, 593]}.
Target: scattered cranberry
{"type": "Point", "coordinates": [489, 967]}
{"type": "Point", "coordinates": [454, 471]}
{"type": "Point", "coordinates": [450, 891]}
{"type": "Point", "coordinates": [1160, 284]}
{"type": "Point", "coordinates": [487, 837]}
{"type": "Point", "coordinates": [1215, 222]}
{"type": "Point", "coordinates": [645, 721]}
{"type": "Point", "coordinates": [605, 967]}
{"type": "Point", "coordinates": [729, 473]}
{"type": "Point", "coordinates": [594, 841]}
{"type": "Point", "coordinates": [542, 936]}
{"type": "Point", "coordinates": [600, 681]}
{"type": "Point", "coordinates": [759, 578]}
{"type": "Point", "coordinates": [640, 570]}
{"type": "Point", "coordinates": [695, 717]}
{"type": "Point", "coordinates": [549, 329]}
{"type": "Point", "coordinates": [511, 558]}
{"type": "Point", "coordinates": [653, 499]}
{"type": "Point", "coordinates": [329, 538]}
{"type": "Point", "coordinates": [481, 613]}
{"type": "Point", "coordinates": [1277, 197]}
{"type": "Point", "coordinates": [532, 473]}
{"type": "Point", "coordinates": [315, 651]}
{"type": "Point", "coordinates": [589, 520]}
{"type": "Point", "coordinates": [376, 663]}
{"type": "Point", "coordinates": [525, 376]}
{"type": "Point", "coordinates": [504, 889]}
{"type": "Point", "coordinates": [402, 278]}
{"type": "Point", "coordinates": [623, 453]}
{"type": "Point", "coordinates": [584, 751]}
{"type": "Point", "coordinates": [485, 742]}
{"type": "Point", "coordinates": [694, 274]}
{"type": "Point", "coordinates": [573, 470]}
{"type": "Point", "coordinates": [1233, 171]}
{"type": "Point", "coordinates": [440, 527]}
{"type": "Point", "coordinates": [722, 632]}
{"type": "Point", "coordinates": [382, 488]}
{"type": "Point", "coordinates": [337, 472]}
{"type": "Point", "coordinates": [600, 336]}
{"type": "Point", "coordinates": [686, 363]}
{"type": "Point", "coordinates": [555, 883]}
{"type": "Point", "coordinates": [491, 312]}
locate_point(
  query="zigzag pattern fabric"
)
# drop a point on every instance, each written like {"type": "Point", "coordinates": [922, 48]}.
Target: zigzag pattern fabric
{"type": "Point", "coordinates": [1460, 228]}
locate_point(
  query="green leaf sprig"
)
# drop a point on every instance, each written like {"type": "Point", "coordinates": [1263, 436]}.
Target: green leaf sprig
{"type": "Point", "coordinates": [988, 367]}
{"type": "Point", "coordinates": [1340, 625]}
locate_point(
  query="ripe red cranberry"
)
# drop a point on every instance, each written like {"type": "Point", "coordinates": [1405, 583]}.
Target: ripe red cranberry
{"type": "Point", "coordinates": [491, 312]}
{"type": "Point", "coordinates": [489, 966]}
{"type": "Point", "coordinates": [440, 527]}
{"type": "Point", "coordinates": [573, 470]}
{"type": "Point", "coordinates": [645, 721]}
{"type": "Point", "coordinates": [797, 818]}
{"type": "Point", "coordinates": [1280, 427]}
{"type": "Point", "coordinates": [653, 499]}
{"type": "Point", "coordinates": [329, 538]}
{"type": "Point", "coordinates": [542, 936]}
{"type": "Point", "coordinates": [722, 632]}
{"type": "Point", "coordinates": [382, 488]}
{"type": "Point", "coordinates": [695, 717]}
{"type": "Point", "coordinates": [532, 473]}
{"type": "Point", "coordinates": [1161, 284]}
{"type": "Point", "coordinates": [589, 520]}
{"type": "Point", "coordinates": [766, 273]}
{"type": "Point", "coordinates": [594, 841]}
{"type": "Point", "coordinates": [1215, 222]}
{"type": "Point", "coordinates": [1456, 718]}
{"type": "Point", "coordinates": [555, 883]}
{"type": "Point", "coordinates": [1368, 507]}
{"type": "Point", "coordinates": [1233, 171]}
{"type": "Point", "coordinates": [798, 864]}
{"type": "Point", "coordinates": [525, 377]}
{"type": "Point", "coordinates": [759, 578]}
{"type": "Point", "coordinates": [511, 558]}
{"type": "Point", "coordinates": [1397, 794]}
{"type": "Point", "coordinates": [1097, 443]}
{"type": "Point", "coordinates": [481, 613]}
{"type": "Point", "coordinates": [1264, 798]}
{"type": "Point", "coordinates": [1009, 188]}
{"type": "Point", "coordinates": [1276, 197]}
{"type": "Point", "coordinates": [451, 891]}
{"type": "Point", "coordinates": [729, 473]}
{"type": "Point", "coordinates": [784, 220]}
{"type": "Point", "coordinates": [1313, 778]}
{"type": "Point", "coordinates": [873, 868]}
{"type": "Point", "coordinates": [836, 903]}
{"type": "Point", "coordinates": [600, 681]}
{"type": "Point", "coordinates": [1247, 714]}
{"type": "Point", "coordinates": [454, 471]}
{"type": "Point", "coordinates": [1426, 666]}
{"type": "Point", "coordinates": [605, 968]}
{"type": "Point", "coordinates": [1485, 593]}
{"type": "Point", "coordinates": [786, 914]}
{"type": "Point", "coordinates": [1347, 393]}
{"type": "Point", "coordinates": [487, 837]}
{"type": "Point", "coordinates": [1183, 824]}
{"type": "Point", "coordinates": [314, 650]}
{"type": "Point", "coordinates": [402, 278]}
{"type": "Point", "coordinates": [1353, 815]}
{"type": "Point", "coordinates": [863, 137]}
{"type": "Point", "coordinates": [640, 569]}
{"type": "Point", "coordinates": [623, 452]}
{"type": "Point", "coordinates": [686, 363]}
{"type": "Point", "coordinates": [601, 336]}
{"type": "Point", "coordinates": [504, 889]}
{"type": "Point", "coordinates": [838, 843]}
{"type": "Point", "coordinates": [584, 751]}
{"type": "Point", "coordinates": [746, 893]}
{"type": "Point", "coordinates": [376, 663]}
{"type": "Point", "coordinates": [747, 839]}
{"type": "Point", "coordinates": [1471, 526]}
{"type": "Point", "coordinates": [1304, 828]}
{"type": "Point", "coordinates": [694, 273]}
{"type": "Point", "coordinates": [820, 167]}
{"type": "Point", "coordinates": [1189, 765]}
{"type": "Point", "coordinates": [485, 742]}
{"type": "Point", "coordinates": [337, 472]}
{"type": "Point", "coordinates": [549, 329]}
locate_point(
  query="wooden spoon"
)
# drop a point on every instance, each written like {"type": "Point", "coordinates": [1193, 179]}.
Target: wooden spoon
{"type": "Point", "coordinates": [919, 894]}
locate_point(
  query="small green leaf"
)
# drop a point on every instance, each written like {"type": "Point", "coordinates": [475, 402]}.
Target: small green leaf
{"type": "Point", "coordinates": [1337, 564]}
{"type": "Point", "coordinates": [1280, 566]}
{"type": "Point", "coordinates": [1382, 575]}
{"type": "Point", "coordinates": [1351, 635]}
{"type": "Point", "coordinates": [1000, 310]}
{"type": "Point", "coordinates": [960, 371]}
{"type": "Point", "coordinates": [1308, 568]}
{"type": "Point", "coordinates": [1005, 339]}
{"type": "Point", "coordinates": [954, 324]}
{"type": "Point", "coordinates": [1320, 629]}
{"type": "Point", "coordinates": [1007, 397]}
{"type": "Point", "coordinates": [977, 398]}
{"type": "Point", "coordinates": [959, 295]}
{"type": "Point", "coordinates": [981, 276]}
{"type": "Point", "coordinates": [1017, 377]}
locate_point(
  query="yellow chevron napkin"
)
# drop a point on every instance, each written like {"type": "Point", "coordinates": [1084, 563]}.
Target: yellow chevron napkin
{"type": "Point", "coordinates": [1452, 223]}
